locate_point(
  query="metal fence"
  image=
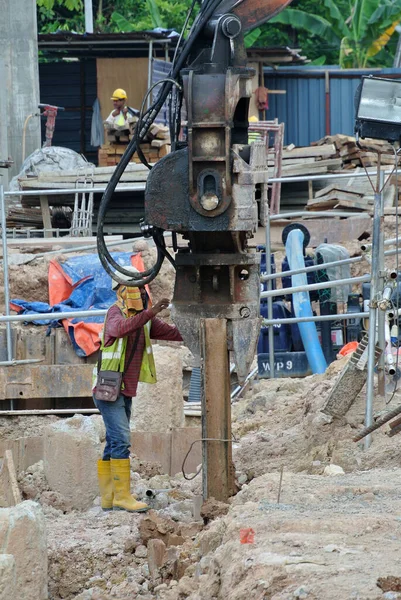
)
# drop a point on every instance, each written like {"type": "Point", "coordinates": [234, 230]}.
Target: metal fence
{"type": "Point", "coordinates": [8, 319]}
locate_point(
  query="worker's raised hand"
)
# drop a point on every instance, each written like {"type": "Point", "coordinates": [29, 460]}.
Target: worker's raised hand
{"type": "Point", "coordinates": [125, 110]}
{"type": "Point", "coordinates": [159, 306]}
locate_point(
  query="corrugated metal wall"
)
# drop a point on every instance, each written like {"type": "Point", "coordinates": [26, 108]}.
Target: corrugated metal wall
{"type": "Point", "coordinates": [303, 108]}
{"type": "Point", "coordinates": [71, 85]}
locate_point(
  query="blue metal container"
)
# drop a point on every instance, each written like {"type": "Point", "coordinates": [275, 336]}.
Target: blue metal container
{"type": "Point", "coordinates": [282, 332]}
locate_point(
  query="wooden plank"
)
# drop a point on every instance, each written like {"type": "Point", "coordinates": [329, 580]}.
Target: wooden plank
{"type": "Point", "coordinates": [336, 188]}
{"type": "Point", "coordinates": [10, 494]}
{"type": "Point", "coordinates": [218, 479]}
{"type": "Point", "coordinates": [47, 224]}
{"type": "Point", "coordinates": [325, 150]}
{"type": "Point", "coordinates": [314, 169]}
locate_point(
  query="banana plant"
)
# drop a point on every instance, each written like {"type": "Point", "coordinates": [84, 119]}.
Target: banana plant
{"type": "Point", "coordinates": [360, 35]}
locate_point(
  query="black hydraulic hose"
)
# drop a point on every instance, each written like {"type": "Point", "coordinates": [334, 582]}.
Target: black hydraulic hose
{"type": "Point", "coordinates": [104, 255]}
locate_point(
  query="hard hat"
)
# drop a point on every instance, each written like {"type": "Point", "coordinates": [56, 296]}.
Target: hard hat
{"type": "Point", "coordinates": [115, 284]}
{"type": "Point", "coordinates": [253, 120]}
{"type": "Point", "coordinates": [119, 94]}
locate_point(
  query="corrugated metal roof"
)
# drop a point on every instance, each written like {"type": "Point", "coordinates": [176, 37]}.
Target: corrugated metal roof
{"type": "Point", "coordinates": [277, 55]}
{"type": "Point", "coordinates": [68, 37]}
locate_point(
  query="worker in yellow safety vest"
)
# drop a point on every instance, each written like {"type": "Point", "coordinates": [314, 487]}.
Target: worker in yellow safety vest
{"type": "Point", "coordinates": [125, 349]}
{"type": "Point", "coordinates": [253, 136]}
{"type": "Point", "coordinates": [120, 113]}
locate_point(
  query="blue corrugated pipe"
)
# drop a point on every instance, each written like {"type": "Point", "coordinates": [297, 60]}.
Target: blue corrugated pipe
{"type": "Point", "coordinates": [301, 302]}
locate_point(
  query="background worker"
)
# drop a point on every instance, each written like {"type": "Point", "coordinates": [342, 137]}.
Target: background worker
{"type": "Point", "coordinates": [119, 115]}
{"type": "Point", "coordinates": [129, 327]}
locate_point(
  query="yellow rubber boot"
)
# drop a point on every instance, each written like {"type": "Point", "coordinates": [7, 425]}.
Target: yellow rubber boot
{"type": "Point", "coordinates": [120, 473]}
{"type": "Point", "coordinates": [105, 484]}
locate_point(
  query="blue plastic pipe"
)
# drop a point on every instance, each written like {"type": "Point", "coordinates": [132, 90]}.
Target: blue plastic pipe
{"type": "Point", "coordinates": [301, 302]}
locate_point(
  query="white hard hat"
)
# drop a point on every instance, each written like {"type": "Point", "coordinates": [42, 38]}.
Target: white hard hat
{"type": "Point", "coordinates": [115, 284]}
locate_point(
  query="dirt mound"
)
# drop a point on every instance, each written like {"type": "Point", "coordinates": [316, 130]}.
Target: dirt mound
{"type": "Point", "coordinates": [280, 425]}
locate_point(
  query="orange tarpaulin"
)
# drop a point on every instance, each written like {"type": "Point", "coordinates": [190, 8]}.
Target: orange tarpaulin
{"type": "Point", "coordinates": [86, 335]}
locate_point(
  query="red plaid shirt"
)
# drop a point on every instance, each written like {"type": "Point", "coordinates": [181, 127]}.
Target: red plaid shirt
{"type": "Point", "coordinates": [118, 326]}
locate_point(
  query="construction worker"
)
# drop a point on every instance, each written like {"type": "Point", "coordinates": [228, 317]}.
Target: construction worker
{"type": "Point", "coordinates": [130, 325]}
{"type": "Point", "coordinates": [118, 117]}
{"type": "Point", "coordinates": [253, 136]}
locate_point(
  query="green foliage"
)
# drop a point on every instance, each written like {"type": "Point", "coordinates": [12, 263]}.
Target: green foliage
{"type": "Point", "coordinates": [353, 33]}
{"type": "Point", "coordinates": [68, 4]}
{"type": "Point", "coordinates": [112, 16]}
{"type": "Point", "coordinates": [252, 37]}
{"type": "Point", "coordinates": [360, 34]}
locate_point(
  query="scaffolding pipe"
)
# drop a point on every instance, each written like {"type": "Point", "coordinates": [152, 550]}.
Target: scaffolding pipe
{"type": "Point", "coordinates": [5, 273]}
{"type": "Point", "coordinates": [52, 316]}
{"type": "Point", "coordinates": [269, 283]}
{"type": "Point", "coordinates": [374, 290]}
{"type": "Point", "coordinates": [139, 187]}
{"type": "Point", "coordinates": [388, 349]}
{"type": "Point", "coordinates": [323, 266]}
{"type": "Point", "coordinates": [390, 242]}
{"type": "Point", "coordinates": [27, 361]}
{"type": "Point", "coordinates": [317, 319]}
{"type": "Point", "coordinates": [300, 178]}
{"type": "Point", "coordinates": [311, 269]}
{"type": "Point", "coordinates": [61, 411]}
{"type": "Point", "coordinates": [316, 286]}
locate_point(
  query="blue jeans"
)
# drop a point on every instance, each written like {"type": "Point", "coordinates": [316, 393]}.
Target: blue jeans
{"type": "Point", "coordinates": [116, 416]}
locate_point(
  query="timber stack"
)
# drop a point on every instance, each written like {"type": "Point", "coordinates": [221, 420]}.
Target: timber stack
{"type": "Point", "coordinates": [155, 146]}
{"type": "Point", "coordinates": [339, 154]}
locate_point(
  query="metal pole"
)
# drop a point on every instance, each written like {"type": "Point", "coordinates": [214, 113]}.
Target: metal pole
{"type": "Point", "coordinates": [381, 315]}
{"type": "Point", "coordinates": [346, 261]}
{"type": "Point", "coordinates": [150, 70]}
{"type": "Point", "coordinates": [61, 411]}
{"type": "Point", "coordinates": [88, 16]}
{"type": "Point", "coordinates": [393, 241]}
{"type": "Point", "coordinates": [316, 286]}
{"type": "Point", "coordinates": [14, 363]}
{"type": "Point", "coordinates": [52, 316]}
{"type": "Point", "coordinates": [139, 187]}
{"type": "Point", "coordinates": [293, 320]}
{"type": "Point", "coordinates": [373, 310]}
{"type": "Point", "coordinates": [299, 178]}
{"type": "Point", "coordinates": [269, 283]}
{"type": "Point", "coordinates": [5, 271]}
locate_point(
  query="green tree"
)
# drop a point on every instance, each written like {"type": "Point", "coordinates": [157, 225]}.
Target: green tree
{"type": "Point", "coordinates": [360, 34]}
{"type": "Point", "coordinates": [112, 16]}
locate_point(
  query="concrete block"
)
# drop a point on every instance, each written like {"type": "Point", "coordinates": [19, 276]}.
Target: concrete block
{"type": "Point", "coordinates": [152, 447]}
{"type": "Point", "coordinates": [156, 556]}
{"type": "Point", "coordinates": [71, 450]}
{"type": "Point", "coordinates": [23, 535]}
{"type": "Point", "coordinates": [159, 407]}
{"type": "Point", "coordinates": [181, 440]}
{"type": "Point", "coordinates": [26, 451]}
{"type": "Point", "coordinates": [8, 580]}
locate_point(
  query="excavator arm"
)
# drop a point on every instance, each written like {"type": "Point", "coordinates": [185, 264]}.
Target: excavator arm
{"type": "Point", "coordinates": [252, 13]}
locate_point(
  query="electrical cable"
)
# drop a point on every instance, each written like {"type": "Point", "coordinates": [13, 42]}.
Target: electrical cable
{"type": "Point", "coordinates": [142, 115]}
{"type": "Point", "coordinates": [233, 439]}
{"type": "Point", "coordinates": [206, 12]}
